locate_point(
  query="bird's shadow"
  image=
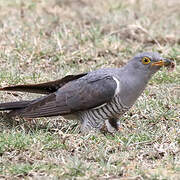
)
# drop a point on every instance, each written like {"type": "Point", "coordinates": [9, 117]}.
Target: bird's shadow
{"type": "Point", "coordinates": [34, 125]}
{"type": "Point", "coordinates": [44, 125]}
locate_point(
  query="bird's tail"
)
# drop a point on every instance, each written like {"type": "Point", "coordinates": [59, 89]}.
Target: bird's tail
{"type": "Point", "coordinates": [43, 88]}
{"type": "Point", "coordinates": [15, 108]}
{"type": "Point", "coordinates": [14, 105]}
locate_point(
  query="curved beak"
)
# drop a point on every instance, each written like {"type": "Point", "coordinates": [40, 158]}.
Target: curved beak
{"type": "Point", "coordinates": [163, 62]}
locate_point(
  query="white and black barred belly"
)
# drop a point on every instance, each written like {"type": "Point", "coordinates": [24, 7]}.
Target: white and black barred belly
{"type": "Point", "coordinates": [95, 117]}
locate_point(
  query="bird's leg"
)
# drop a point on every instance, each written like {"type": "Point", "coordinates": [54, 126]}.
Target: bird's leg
{"type": "Point", "coordinates": [112, 125]}
{"type": "Point", "coordinates": [107, 126]}
{"type": "Point", "coordinates": [87, 126]}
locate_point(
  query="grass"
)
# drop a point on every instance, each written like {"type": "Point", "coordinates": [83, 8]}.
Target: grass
{"type": "Point", "coordinates": [46, 40]}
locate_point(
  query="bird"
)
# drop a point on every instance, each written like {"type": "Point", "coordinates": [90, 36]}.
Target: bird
{"type": "Point", "coordinates": [97, 98]}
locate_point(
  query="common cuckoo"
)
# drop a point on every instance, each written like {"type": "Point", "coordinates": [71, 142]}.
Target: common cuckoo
{"type": "Point", "coordinates": [97, 99]}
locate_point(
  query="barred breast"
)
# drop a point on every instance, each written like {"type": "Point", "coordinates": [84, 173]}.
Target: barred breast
{"type": "Point", "coordinates": [97, 116]}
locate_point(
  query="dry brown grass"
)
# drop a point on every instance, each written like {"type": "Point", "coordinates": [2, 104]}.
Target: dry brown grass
{"type": "Point", "coordinates": [46, 40]}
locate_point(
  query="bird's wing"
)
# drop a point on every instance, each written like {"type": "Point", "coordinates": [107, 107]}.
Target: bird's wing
{"type": "Point", "coordinates": [75, 96]}
{"type": "Point", "coordinates": [43, 88]}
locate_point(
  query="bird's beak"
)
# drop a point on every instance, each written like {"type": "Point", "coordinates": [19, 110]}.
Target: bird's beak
{"type": "Point", "coordinates": [163, 62]}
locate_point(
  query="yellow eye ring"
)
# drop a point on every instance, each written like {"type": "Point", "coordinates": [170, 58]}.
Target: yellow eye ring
{"type": "Point", "coordinates": [146, 60]}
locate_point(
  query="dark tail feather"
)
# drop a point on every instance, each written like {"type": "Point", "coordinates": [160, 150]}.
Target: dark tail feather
{"type": "Point", "coordinates": [43, 88]}
{"type": "Point", "coordinates": [14, 105]}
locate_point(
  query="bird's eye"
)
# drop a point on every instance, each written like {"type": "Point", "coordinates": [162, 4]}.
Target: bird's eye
{"type": "Point", "coordinates": [146, 60]}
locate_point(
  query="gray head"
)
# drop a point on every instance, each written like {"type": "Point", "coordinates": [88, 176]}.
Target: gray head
{"type": "Point", "coordinates": [138, 72]}
{"type": "Point", "coordinates": [149, 62]}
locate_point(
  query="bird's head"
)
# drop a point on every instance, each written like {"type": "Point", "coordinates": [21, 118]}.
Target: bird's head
{"type": "Point", "coordinates": [150, 62]}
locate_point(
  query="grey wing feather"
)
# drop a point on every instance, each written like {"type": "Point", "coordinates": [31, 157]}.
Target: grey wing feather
{"type": "Point", "coordinates": [75, 96]}
{"type": "Point", "coordinates": [92, 93]}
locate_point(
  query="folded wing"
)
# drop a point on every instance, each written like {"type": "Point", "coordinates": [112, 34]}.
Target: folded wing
{"type": "Point", "coordinates": [78, 95]}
